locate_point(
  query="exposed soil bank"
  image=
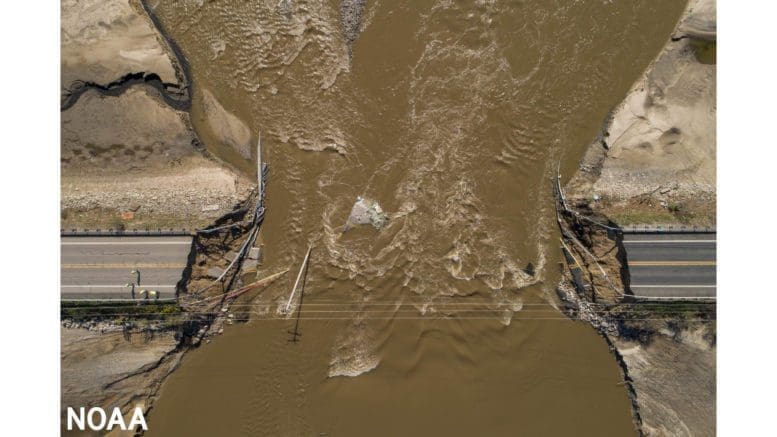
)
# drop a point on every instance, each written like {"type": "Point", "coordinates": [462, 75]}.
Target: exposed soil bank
{"type": "Point", "coordinates": [130, 159]}
{"type": "Point", "coordinates": [118, 356]}
{"type": "Point", "coordinates": [674, 379]}
{"type": "Point", "coordinates": [653, 164]}
{"type": "Point", "coordinates": [171, 93]}
{"type": "Point", "coordinates": [133, 161]}
{"type": "Point", "coordinates": [666, 350]}
{"type": "Point", "coordinates": [114, 368]}
{"type": "Point", "coordinates": [103, 40]}
{"type": "Point", "coordinates": [111, 46]}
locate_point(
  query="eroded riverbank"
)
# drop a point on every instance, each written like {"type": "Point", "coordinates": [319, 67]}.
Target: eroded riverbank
{"type": "Point", "coordinates": [452, 117]}
{"type": "Point", "coordinates": [653, 165]}
{"type": "Point", "coordinates": [129, 159]}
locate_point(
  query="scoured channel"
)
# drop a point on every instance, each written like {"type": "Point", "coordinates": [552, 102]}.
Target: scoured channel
{"type": "Point", "coordinates": [452, 116]}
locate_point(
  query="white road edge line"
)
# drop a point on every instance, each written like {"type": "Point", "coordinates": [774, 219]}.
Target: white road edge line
{"type": "Point", "coordinates": [109, 299]}
{"type": "Point", "coordinates": [673, 286]}
{"type": "Point", "coordinates": [116, 286]}
{"type": "Point", "coordinates": [668, 241]}
{"type": "Point", "coordinates": [120, 243]}
{"type": "Point", "coordinates": [676, 297]}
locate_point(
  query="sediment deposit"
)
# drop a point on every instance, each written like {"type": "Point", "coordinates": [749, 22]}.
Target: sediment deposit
{"type": "Point", "coordinates": [654, 162]}
{"type": "Point", "coordinates": [103, 40]}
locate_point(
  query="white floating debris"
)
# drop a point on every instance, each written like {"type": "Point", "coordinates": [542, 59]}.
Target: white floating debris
{"type": "Point", "coordinates": [366, 211]}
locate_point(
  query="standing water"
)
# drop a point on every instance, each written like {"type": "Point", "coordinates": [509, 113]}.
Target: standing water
{"type": "Point", "coordinates": [450, 117]}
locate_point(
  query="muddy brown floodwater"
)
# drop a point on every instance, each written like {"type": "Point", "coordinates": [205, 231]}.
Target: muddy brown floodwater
{"type": "Point", "coordinates": [452, 115]}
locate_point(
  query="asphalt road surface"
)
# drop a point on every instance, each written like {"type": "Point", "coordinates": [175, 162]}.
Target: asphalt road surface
{"type": "Point", "coordinates": [100, 267]}
{"type": "Point", "coordinates": [677, 265]}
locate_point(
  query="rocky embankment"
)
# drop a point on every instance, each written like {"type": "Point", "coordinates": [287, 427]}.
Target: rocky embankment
{"type": "Point", "coordinates": [653, 164]}
{"type": "Point", "coordinates": [351, 13]}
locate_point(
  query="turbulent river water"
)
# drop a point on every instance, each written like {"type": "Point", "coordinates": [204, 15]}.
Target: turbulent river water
{"type": "Point", "coordinates": [452, 115]}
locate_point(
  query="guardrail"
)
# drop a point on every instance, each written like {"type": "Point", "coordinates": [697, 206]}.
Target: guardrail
{"type": "Point", "coordinates": [111, 300]}
{"type": "Point", "coordinates": [126, 232]}
{"type": "Point", "coordinates": [670, 229]}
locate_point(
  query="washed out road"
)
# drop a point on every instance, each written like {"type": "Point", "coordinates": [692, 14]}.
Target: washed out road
{"type": "Point", "coordinates": [672, 265]}
{"type": "Point", "coordinates": [100, 267]}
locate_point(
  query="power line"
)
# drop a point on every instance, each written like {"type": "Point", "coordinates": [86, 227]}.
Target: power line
{"type": "Point", "coordinates": [436, 304]}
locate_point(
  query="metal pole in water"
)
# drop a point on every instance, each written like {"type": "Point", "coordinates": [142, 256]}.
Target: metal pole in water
{"type": "Point", "coordinates": [299, 276]}
{"type": "Point", "coordinates": [259, 164]}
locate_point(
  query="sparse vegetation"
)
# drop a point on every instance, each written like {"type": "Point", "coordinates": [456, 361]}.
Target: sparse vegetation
{"type": "Point", "coordinates": [119, 312]}
{"type": "Point", "coordinates": [104, 218]}
{"type": "Point", "coordinates": [633, 218]}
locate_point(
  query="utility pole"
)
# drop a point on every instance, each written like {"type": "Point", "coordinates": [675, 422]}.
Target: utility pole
{"type": "Point", "coordinates": [299, 276]}
{"type": "Point", "coordinates": [295, 334]}
{"type": "Point", "coordinates": [259, 164]}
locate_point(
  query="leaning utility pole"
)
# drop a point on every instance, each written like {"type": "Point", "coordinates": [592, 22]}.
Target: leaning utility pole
{"type": "Point", "coordinates": [259, 164]}
{"type": "Point", "coordinates": [299, 276]}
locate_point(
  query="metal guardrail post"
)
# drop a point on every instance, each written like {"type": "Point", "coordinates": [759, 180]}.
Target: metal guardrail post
{"type": "Point", "coordinates": [659, 229]}
{"type": "Point", "coordinates": [122, 233]}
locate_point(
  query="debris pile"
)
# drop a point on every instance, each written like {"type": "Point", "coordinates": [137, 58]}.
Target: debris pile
{"type": "Point", "coordinates": [366, 211]}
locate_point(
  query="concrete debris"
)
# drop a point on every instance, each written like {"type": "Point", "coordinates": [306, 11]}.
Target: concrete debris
{"type": "Point", "coordinates": [214, 272]}
{"type": "Point", "coordinates": [366, 211]}
{"type": "Point", "coordinates": [250, 264]}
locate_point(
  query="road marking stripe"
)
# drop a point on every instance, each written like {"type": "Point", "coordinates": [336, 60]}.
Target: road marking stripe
{"type": "Point", "coordinates": [671, 263]}
{"type": "Point", "coordinates": [116, 286]}
{"type": "Point", "coordinates": [122, 266]}
{"type": "Point", "coordinates": [668, 241]}
{"type": "Point", "coordinates": [114, 299]}
{"type": "Point", "coordinates": [673, 286]}
{"type": "Point", "coordinates": [119, 243]}
{"type": "Point", "coordinates": [675, 297]}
